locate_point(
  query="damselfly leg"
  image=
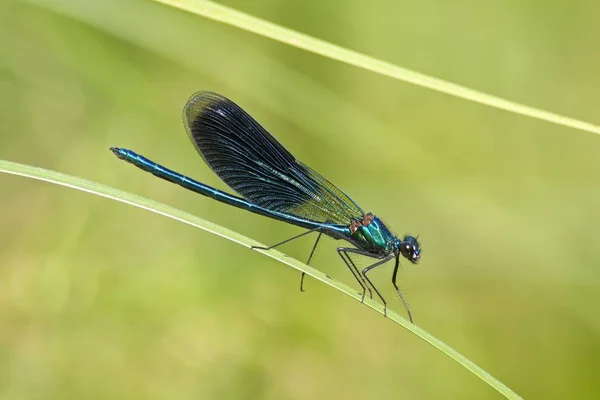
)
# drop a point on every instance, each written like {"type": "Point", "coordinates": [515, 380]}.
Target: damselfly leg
{"type": "Point", "coordinates": [394, 276]}
{"type": "Point", "coordinates": [293, 238]}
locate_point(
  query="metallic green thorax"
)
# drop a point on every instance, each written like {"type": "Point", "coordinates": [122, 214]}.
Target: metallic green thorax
{"type": "Point", "coordinates": [374, 237]}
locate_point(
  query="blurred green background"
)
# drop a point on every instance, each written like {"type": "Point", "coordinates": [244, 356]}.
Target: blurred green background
{"type": "Point", "coordinates": [99, 300]}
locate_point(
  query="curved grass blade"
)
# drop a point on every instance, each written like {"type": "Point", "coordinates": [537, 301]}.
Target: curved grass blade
{"type": "Point", "coordinates": [170, 212]}
{"type": "Point", "coordinates": [224, 14]}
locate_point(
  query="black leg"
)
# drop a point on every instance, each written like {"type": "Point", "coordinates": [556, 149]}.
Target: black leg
{"type": "Point", "coordinates": [342, 252]}
{"type": "Point", "coordinates": [308, 262]}
{"type": "Point", "coordinates": [293, 238]}
{"type": "Point", "coordinates": [398, 290]}
{"type": "Point", "coordinates": [364, 273]}
{"type": "Point", "coordinates": [287, 240]}
{"type": "Point", "coordinates": [355, 272]}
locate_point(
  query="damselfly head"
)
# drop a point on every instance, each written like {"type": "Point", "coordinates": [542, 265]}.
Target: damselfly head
{"type": "Point", "coordinates": [410, 249]}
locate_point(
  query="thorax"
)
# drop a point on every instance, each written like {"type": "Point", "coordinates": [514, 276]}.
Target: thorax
{"type": "Point", "coordinates": [372, 235]}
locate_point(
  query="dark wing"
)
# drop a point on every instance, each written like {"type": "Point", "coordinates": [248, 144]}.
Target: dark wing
{"type": "Point", "coordinates": [250, 161]}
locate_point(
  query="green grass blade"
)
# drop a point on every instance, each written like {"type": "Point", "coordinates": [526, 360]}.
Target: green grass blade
{"type": "Point", "coordinates": [224, 14]}
{"type": "Point", "coordinates": [170, 212]}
